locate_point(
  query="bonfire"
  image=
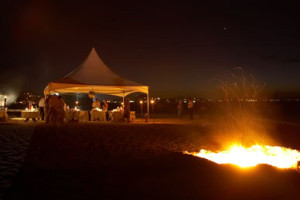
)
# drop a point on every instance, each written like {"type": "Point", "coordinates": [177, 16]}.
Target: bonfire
{"type": "Point", "coordinates": [276, 156]}
{"type": "Point", "coordinates": [241, 115]}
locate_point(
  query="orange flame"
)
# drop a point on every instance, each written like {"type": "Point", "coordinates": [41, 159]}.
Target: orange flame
{"type": "Point", "coordinates": [276, 156]}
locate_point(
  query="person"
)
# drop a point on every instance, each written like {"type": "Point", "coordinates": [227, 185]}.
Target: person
{"type": "Point", "coordinates": [127, 110]}
{"type": "Point", "coordinates": [52, 114]}
{"type": "Point", "coordinates": [42, 107]}
{"type": "Point", "coordinates": [179, 108]}
{"type": "Point", "coordinates": [190, 108]}
{"type": "Point", "coordinates": [96, 104]}
{"type": "Point", "coordinates": [60, 110]}
{"type": "Point", "coordinates": [46, 108]}
{"type": "Point", "coordinates": [105, 109]}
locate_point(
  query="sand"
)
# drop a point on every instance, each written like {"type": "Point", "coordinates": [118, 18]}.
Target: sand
{"type": "Point", "coordinates": [141, 161]}
{"type": "Point", "coordinates": [14, 141]}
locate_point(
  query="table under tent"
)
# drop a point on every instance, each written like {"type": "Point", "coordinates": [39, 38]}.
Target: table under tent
{"type": "Point", "coordinates": [93, 76]}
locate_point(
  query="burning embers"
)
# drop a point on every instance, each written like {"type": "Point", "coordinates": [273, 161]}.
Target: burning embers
{"type": "Point", "coordinates": [276, 156]}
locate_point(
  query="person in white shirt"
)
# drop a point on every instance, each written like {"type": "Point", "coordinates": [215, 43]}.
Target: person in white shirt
{"type": "Point", "coordinates": [42, 107]}
{"type": "Point", "coordinates": [105, 109]}
{"type": "Point", "coordinates": [191, 108]}
{"type": "Point", "coordinates": [96, 104]}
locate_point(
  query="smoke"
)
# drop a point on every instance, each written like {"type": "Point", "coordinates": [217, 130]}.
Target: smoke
{"type": "Point", "coordinates": [12, 89]}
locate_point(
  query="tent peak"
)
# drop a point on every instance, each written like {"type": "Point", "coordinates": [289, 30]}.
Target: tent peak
{"type": "Point", "coordinates": [93, 71]}
{"type": "Point", "coordinates": [93, 49]}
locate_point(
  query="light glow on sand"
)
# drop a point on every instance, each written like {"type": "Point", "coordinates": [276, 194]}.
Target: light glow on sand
{"type": "Point", "coordinates": [276, 156]}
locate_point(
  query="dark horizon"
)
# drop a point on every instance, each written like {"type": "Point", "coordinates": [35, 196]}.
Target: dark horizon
{"type": "Point", "coordinates": [177, 48]}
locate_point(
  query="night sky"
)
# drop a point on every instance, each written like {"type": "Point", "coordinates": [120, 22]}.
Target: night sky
{"type": "Point", "coordinates": [175, 47]}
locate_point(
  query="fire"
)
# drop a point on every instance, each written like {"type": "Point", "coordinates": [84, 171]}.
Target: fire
{"type": "Point", "coordinates": [276, 156]}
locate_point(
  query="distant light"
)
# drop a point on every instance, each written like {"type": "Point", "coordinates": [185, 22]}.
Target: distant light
{"type": "Point", "coordinates": [152, 101]}
{"type": "Point", "coordinates": [131, 101]}
{"type": "Point", "coordinates": [56, 93]}
{"type": "Point", "coordinates": [76, 102]}
{"type": "Point", "coordinates": [158, 98]}
{"type": "Point", "coordinates": [141, 102]}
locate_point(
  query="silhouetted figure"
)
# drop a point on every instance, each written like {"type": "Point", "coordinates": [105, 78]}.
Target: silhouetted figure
{"type": "Point", "coordinates": [46, 108]}
{"type": "Point", "coordinates": [191, 108]}
{"type": "Point", "coordinates": [127, 110]}
{"type": "Point", "coordinates": [60, 110]}
{"type": "Point", "coordinates": [52, 113]}
{"type": "Point", "coordinates": [42, 108]}
{"type": "Point", "coordinates": [179, 108]}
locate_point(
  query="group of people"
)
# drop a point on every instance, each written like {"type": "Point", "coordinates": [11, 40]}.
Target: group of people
{"type": "Point", "coordinates": [96, 104]}
{"type": "Point", "coordinates": [52, 109]}
{"type": "Point", "coordinates": [190, 107]}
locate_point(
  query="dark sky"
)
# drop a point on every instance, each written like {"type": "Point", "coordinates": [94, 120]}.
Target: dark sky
{"type": "Point", "coordinates": [175, 47]}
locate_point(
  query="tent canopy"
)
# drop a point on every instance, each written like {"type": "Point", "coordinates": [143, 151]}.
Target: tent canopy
{"type": "Point", "coordinates": [94, 75]}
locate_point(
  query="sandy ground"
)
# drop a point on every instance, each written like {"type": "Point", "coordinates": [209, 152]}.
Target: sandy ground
{"type": "Point", "coordinates": [135, 161]}
{"type": "Point", "coordinates": [14, 142]}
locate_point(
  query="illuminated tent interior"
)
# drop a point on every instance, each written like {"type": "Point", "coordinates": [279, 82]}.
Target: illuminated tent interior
{"type": "Point", "coordinates": [94, 76]}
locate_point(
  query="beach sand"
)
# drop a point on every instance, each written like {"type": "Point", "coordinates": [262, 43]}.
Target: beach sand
{"type": "Point", "coordinates": [14, 142]}
{"type": "Point", "coordinates": [141, 161]}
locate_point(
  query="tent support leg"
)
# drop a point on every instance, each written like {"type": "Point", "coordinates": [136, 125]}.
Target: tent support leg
{"type": "Point", "coordinates": [123, 100]}
{"type": "Point", "coordinates": [148, 106]}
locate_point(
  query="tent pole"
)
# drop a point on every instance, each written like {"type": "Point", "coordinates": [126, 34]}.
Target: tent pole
{"type": "Point", "coordinates": [123, 99]}
{"type": "Point", "coordinates": [148, 102]}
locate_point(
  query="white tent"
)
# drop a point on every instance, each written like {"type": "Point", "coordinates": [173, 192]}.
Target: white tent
{"type": "Point", "coordinates": [93, 75]}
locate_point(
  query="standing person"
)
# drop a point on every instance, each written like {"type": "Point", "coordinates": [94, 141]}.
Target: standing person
{"type": "Point", "coordinates": [60, 110]}
{"type": "Point", "coordinates": [52, 114]}
{"type": "Point", "coordinates": [179, 108]}
{"type": "Point", "coordinates": [127, 110]}
{"type": "Point", "coordinates": [105, 109]}
{"type": "Point", "coordinates": [47, 108]}
{"type": "Point", "coordinates": [42, 107]}
{"type": "Point", "coordinates": [190, 108]}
